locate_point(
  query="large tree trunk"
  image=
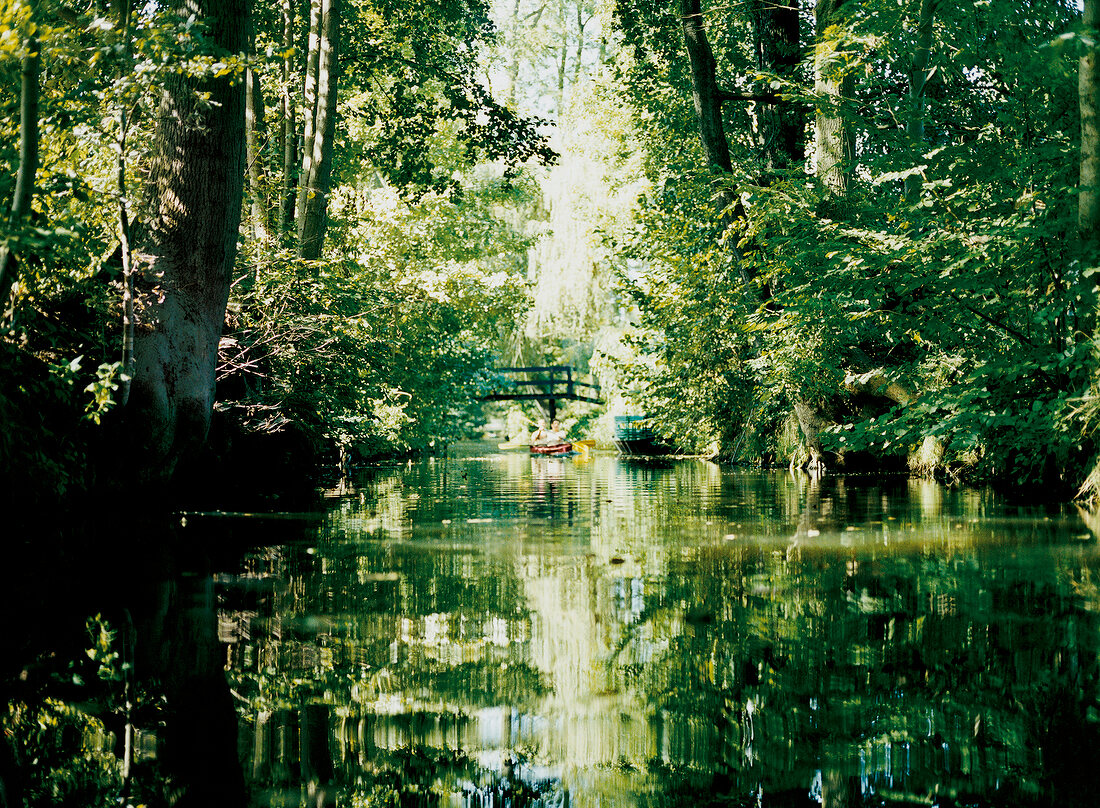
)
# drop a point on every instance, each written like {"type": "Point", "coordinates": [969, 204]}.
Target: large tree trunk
{"type": "Point", "coordinates": [1088, 90]}
{"type": "Point", "coordinates": [704, 88]}
{"type": "Point", "coordinates": [835, 145]}
{"type": "Point", "coordinates": [511, 70]}
{"type": "Point", "coordinates": [780, 125]}
{"type": "Point", "coordinates": [288, 129]}
{"type": "Point", "coordinates": [918, 78]}
{"type": "Point", "coordinates": [185, 258]}
{"type": "Point", "coordinates": [833, 150]}
{"type": "Point", "coordinates": [708, 114]}
{"type": "Point", "coordinates": [123, 9]}
{"type": "Point", "coordinates": [320, 128]}
{"type": "Point", "coordinates": [28, 159]}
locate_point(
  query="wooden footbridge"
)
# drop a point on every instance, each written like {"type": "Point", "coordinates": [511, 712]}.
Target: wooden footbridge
{"type": "Point", "coordinates": [549, 385]}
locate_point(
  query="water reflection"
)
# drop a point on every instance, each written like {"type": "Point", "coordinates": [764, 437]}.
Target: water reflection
{"type": "Point", "coordinates": [509, 630]}
{"type": "Point", "coordinates": [500, 628]}
{"type": "Point", "coordinates": [504, 628]}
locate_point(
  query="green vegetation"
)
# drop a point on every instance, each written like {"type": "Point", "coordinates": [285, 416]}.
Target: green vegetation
{"type": "Point", "coordinates": [380, 341]}
{"type": "Point", "coordinates": [862, 234]}
{"type": "Point", "coordinates": [941, 291]}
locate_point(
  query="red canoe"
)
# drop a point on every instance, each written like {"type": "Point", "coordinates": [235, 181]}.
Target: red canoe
{"type": "Point", "coordinates": [553, 449]}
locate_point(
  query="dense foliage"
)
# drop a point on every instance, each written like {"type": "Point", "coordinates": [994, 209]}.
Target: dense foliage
{"type": "Point", "coordinates": [971, 298]}
{"type": "Point", "coordinates": [383, 343]}
{"type": "Point", "coordinates": [936, 307]}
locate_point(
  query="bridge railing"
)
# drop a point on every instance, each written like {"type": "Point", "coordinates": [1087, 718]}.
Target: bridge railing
{"type": "Point", "coordinates": [550, 382]}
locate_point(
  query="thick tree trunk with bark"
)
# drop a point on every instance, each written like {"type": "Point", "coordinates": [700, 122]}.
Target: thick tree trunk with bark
{"type": "Point", "coordinates": [704, 88]}
{"type": "Point", "coordinates": [708, 97]}
{"type": "Point", "coordinates": [288, 129]}
{"type": "Point", "coordinates": [835, 145]}
{"type": "Point", "coordinates": [1088, 199]}
{"type": "Point", "coordinates": [185, 258]}
{"type": "Point", "coordinates": [833, 150]}
{"type": "Point", "coordinates": [321, 86]}
{"type": "Point", "coordinates": [1088, 183]}
{"type": "Point", "coordinates": [1088, 91]}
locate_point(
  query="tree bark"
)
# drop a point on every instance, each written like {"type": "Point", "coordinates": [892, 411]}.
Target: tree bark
{"type": "Point", "coordinates": [1088, 92]}
{"type": "Point", "coordinates": [833, 154]}
{"type": "Point", "coordinates": [28, 158]}
{"type": "Point", "coordinates": [512, 70]}
{"type": "Point", "coordinates": [563, 54]}
{"type": "Point", "coordinates": [185, 258]}
{"type": "Point", "coordinates": [582, 23]}
{"type": "Point", "coordinates": [835, 146]}
{"type": "Point", "coordinates": [123, 9]}
{"type": "Point", "coordinates": [918, 78]}
{"type": "Point", "coordinates": [320, 129]}
{"type": "Point", "coordinates": [780, 124]}
{"type": "Point", "coordinates": [708, 114]}
{"type": "Point", "coordinates": [309, 99]}
{"type": "Point", "coordinates": [704, 88]}
{"type": "Point", "coordinates": [255, 135]}
{"type": "Point", "coordinates": [288, 130]}
{"type": "Point", "coordinates": [1088, 198]}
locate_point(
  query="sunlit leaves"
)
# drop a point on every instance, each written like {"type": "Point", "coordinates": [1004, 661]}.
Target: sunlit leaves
{"type": "Point", "coordinates": [975, 275]}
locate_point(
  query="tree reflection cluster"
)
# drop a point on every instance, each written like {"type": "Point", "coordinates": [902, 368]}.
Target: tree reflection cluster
{"type": "Point", "coordinates": [673, 636]}
{"type": "Point", "coordinates": [857, 643]}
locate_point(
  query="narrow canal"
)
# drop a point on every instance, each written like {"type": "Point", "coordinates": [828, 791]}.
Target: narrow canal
{"type": "Point", "coordinates": [496, 629]}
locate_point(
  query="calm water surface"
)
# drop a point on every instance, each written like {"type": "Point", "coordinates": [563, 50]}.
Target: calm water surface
{"type": "Point", "coordinates": [495, 629]}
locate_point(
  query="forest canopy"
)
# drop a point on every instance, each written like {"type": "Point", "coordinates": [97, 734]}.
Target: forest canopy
{"type": "Point", "coordinates": [847, 234]}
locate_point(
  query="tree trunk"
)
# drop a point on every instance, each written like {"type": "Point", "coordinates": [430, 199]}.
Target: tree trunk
{"type": "Point", "coordinates": [512, 69]}
{"type": "Point", "coordinates": [185, 259]}
{"type": "Point", "coordinates": [1088, 90]}
{"type": "Point", "coordinates": [578, 67]}
{"type": "Point", "coordinates": [833, 154]}
{"type": "Point", "coordinates": [780, 126]}
{"type": "Point", "coordinates": [835, 145]}
{"type": "Point", "coordinates": [255, 135]}
{"type": "Point", "coordinates": [320, 129]}
{"type": "Point", "coordinates": [1088, 197]}
{"type": "Point", "coordinates": [124, 8]}
{"type": "Point", "coordinates": [708, 114]}
{"type": "Point", "coordinates": [28, 159]}
{"type": "Point", "coordinates": [918, 78]}
{"type": "Point", "coordinates": [288, 130]}
{"type": "Point", "coordinates": [309, 100]}
{"type": "Point", "coordinates": [704, 89]}
{"type": "Point", "coordinates": [563, 54]}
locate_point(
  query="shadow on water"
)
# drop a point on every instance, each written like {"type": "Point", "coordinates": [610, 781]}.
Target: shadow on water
{"type": "Point", "coordinates": [497, 630]}
{"type": "Point", "coordinates": [114, 674]}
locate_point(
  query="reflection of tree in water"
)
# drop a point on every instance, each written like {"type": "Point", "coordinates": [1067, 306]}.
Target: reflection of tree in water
{"type": "Point", "coordinates": [869, 672]}
{"type": "Point", "coordinates": [722, 636]}
{"type": "Point", "coordinates": [133, 703]}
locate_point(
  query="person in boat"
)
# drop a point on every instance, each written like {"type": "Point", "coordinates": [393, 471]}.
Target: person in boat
{"type": "Point", "coordinates": [548, 437]}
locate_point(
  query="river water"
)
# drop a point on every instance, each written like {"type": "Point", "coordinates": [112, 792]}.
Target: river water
{"type": "Point", "coordinates": [495, 629]}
